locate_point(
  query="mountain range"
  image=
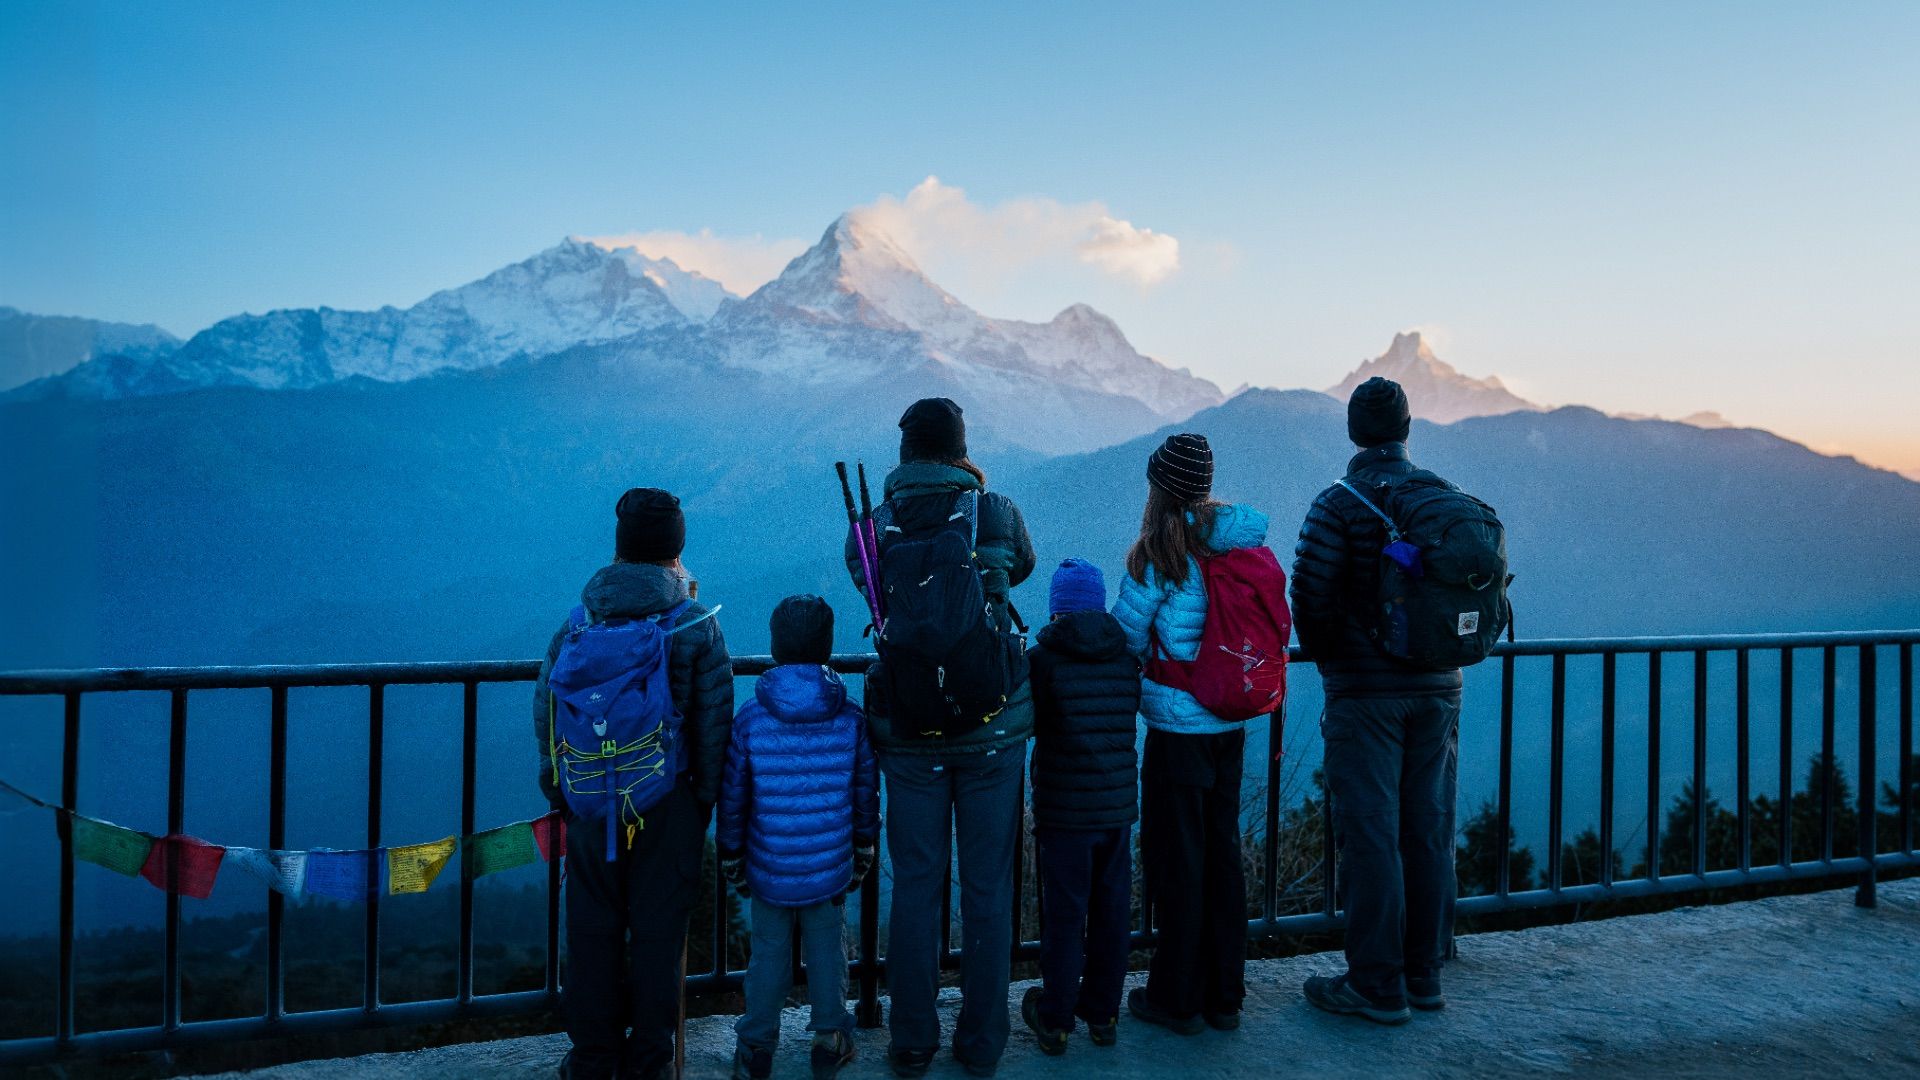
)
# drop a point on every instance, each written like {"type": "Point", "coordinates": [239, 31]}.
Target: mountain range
{"type": "Point", "coordinates": [36, 347]}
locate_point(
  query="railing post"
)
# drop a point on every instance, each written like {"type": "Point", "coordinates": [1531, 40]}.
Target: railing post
{"type": "Point", "coordinates": [1831, 766]}
{"type": "Point", "coordinates": [1907, 778]}
{"type": "Point", "coordinates": [1270, 844]}
{"type": "Point", "coordinates": [376, 753]}
{"type": "Point", "coordinates": [1608, 680]}
{"type": "Point", "coordinates": [1653, 766]}
{"type": "Point", "coordinates": [469, 748]}
{"type": "Point", "coordinates": [1785, 823]}
{"type": "Point", "coordinates": [276, 840]}
{"type": "Point", "coordinates": [1504, 840]}
{"type": "Point", "coordinates": [1742, 735]}
{"type": "Point", "coordinates": [176, 824]}
{"type": "Point", "coordinates": [1557, 764]}
{"type": "Point", "coordinates": [69, 799]}
{"type": "Point", "coordinates": [1869, 751]}
{"type": "Point", "coordinates": [867, 1012]}
{"type": "Point", "coordinates": [1699, 762]}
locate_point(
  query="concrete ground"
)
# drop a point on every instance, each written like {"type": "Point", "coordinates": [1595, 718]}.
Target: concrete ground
{"type": "Point", "coordinates": [1792, 986]}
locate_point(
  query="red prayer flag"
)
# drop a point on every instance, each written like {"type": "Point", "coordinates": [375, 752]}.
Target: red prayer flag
{"type": "Point", "coordinates": [198, 864]}
{"type": "Point", "coordinates": [550, 833]}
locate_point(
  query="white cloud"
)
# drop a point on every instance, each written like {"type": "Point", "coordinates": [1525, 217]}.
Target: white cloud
{"type": "Point", "coordinates": [937, 223]}
{"type": "Point", "coordinates": [962, 244]}
{"type": "Point", "coordinates": [741, 263]}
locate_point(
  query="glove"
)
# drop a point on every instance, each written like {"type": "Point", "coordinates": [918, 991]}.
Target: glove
{"type": "Point", "coordinates": [734, 869]}
{"type": "Point", "coordinates": [863, 857]}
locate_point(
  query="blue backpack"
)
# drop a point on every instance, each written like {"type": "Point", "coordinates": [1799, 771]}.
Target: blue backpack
{"type": "Point", "coordinates": [614, 730]}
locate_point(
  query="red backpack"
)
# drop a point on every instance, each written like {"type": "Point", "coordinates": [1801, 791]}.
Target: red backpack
{"type": "Point", "coordinates": [1241, 669]}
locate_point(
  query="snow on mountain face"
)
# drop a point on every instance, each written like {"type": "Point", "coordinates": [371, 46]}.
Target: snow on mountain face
{"type": "Point", "coordinates": [1435, 389]}
{"type": "Point", "coordinates": [856, 278]}
{"type": "Point", "coordinates": [36, 346]}
{"type": "Point", "coordinates": [696, 295]}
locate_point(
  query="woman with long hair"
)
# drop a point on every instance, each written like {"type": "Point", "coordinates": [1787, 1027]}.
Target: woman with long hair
{"type": "Point", "coordinates": [952, 752]}
{"type": "Point", "coordinates": [1190, 773]}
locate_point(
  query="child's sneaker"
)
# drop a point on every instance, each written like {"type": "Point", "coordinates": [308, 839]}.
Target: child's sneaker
{"type": "Point", "coordinates": [1053, 1041]}
{"type": "Point", "coordinates": [831, 1051]}
{"type": "Point", "coordinates": [1104, 1034]}
{"type": "Point", "coordinates": [752, 1063]}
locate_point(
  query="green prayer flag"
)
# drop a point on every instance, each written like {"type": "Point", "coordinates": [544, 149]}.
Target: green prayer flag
{"type": "Point", "coordinates": [120, 850]}
{"type": "Point", "coordinates": [501, 849]}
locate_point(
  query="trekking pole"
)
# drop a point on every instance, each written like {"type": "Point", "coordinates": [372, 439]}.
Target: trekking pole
{"type": "Point", "coordinates": [871, 537]}
{"type": "Point", "coordinates": [860, 540]}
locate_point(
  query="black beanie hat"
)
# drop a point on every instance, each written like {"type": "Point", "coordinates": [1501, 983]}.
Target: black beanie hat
{"type": "Point", "coordinates": [932, 430]}
{"type": "Point", "coordinates": [650, 528]}
{"type": "Point", "coordinates": [802, 629]}
{"type": "Point", "coordinates": [1377, 413]}
{"type": "Point", "coordinates": [1183, 467]}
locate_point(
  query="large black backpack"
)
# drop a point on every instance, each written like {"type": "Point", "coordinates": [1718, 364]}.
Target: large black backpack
{"type": "Point", "coordinates": [1443, 573]}
{"type": "Point", "coordinates": [946, 666]}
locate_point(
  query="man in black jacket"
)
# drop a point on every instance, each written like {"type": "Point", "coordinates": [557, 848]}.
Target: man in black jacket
{"type": "Point", "coordinates": [1391, 736]}
{"type": "Point", "coordinates": [627, 918]}
{"type": "Point", "coordinates": [1086, 693]}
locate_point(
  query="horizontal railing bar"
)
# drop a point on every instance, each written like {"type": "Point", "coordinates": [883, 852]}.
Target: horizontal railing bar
{"type": "Point", "coordinates": [89, 680]}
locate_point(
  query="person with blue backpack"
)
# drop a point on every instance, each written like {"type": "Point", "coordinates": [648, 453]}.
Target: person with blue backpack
{"type": "Point", "coordinates": [632, 713]}
{"type": "Point", "coordinates": [1204, 606]}
{"type": "Point", "coordinates": [949, 709]}
{"type": "Point", "coordinates": [798, 819]}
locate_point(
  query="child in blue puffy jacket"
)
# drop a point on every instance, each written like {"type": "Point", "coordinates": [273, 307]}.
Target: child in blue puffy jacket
{"type": "Point", "coordinates": [799, 816]}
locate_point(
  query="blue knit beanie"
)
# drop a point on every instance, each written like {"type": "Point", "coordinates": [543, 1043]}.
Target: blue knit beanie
{"type": "Point", "coordinates": [1077, 586]}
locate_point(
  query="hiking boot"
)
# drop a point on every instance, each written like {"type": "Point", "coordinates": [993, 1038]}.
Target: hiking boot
{"type": "Point", "coordinates": [752, 1062]}
{"type": "Point", "coordinates": [1143, 1008]}
{"type": "Point", "coordinates": [1424, 994]}
{"type": "Point", "coordinates": [1104, 1034]}
{"type": "Point", "coordinates": [1229, 1021]}
{"type": "Point", "coordinates": [831, 1052]}
{"type": "Point", "coordinates": [1053, 1041]}
{"type": "Point", "coordinates": [1336, 995]}
{"type": "Point", "coordinates": [981, 1069]}
{"type": "Point", "coordinates": [909, 1063]}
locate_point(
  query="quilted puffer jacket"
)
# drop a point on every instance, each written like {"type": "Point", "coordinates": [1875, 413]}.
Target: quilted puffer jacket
{"type": "Point", "coordinates": [801, 787]}
{"type": "Point", "coordinates": [1086, 695]}
{"type": "Point", "coordinates": [1178, 613]}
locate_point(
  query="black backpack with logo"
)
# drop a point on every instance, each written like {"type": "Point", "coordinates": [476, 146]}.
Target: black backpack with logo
{"type": "Point", "coordinates": [946, 667]}
{"type": "Point", "coordinates": [1443, 573]}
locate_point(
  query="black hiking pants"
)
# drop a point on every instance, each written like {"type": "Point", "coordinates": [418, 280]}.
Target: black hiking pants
{"type": "Point", "coordinates": [1190, 847]}
{"type": "Point", "coordinates": [1392, 765]}
{"type": "Point", "coordinates": [626, 926]}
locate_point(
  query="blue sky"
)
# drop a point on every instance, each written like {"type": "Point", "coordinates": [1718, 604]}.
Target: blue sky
{"type": "Point", "coordinates": [1654, 207]}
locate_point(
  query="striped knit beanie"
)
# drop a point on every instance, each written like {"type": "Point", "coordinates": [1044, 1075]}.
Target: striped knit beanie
{"type": "Point", "coordinates": [1183, 467]}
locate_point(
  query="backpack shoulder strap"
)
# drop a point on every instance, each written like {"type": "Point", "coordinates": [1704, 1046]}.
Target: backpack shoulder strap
{"type": "Point", "coordinates": [1393, 531]}
{"type": "Point", "coordinates": [671, 618]}
{"type": "Point", "coordinates": [969, 504]}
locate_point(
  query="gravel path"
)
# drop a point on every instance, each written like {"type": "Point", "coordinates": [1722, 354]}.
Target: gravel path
{"type": "Point", "coordinates": [1790, 986]}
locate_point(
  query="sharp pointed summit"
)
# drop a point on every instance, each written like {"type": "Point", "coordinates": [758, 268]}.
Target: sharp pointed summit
{"type": "Point", "coordinates": [1436, 390]}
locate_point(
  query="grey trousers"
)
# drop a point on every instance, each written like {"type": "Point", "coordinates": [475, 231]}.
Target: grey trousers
{"type": "Point", "coordinates": [1392, 766]}
{"type": "Point", "coordinates": [770, 970]}
{"type": "Point", "coordinates": [929, 800]}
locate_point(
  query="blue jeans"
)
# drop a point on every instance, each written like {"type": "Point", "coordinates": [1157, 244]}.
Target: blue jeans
{"type": "Point", "coordinates": [928, 799]}
{"type": "Point", "coordinates": [770, 970]}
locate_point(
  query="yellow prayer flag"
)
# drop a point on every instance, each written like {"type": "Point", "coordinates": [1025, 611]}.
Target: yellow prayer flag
{"type": "Point", "coordinates": [412, 868]}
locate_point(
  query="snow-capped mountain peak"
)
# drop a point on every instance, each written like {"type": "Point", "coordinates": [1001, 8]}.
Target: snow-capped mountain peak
{"type": "Point", "coordinates": [696, 295]}
{"type": "Point", "coordinates": [1436, 390]}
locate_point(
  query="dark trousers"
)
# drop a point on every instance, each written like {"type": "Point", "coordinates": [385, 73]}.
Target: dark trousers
{"type": "Point", "coordinates": [928, 801]}
{"type": "Point", "coordinates": [1086, 877]}
{"type": "Point", "coordinates": [1392, 764]}
{"type": "Point", "coordinates": [1190, 843]}
{"type": "Point", "coordinates": [626, 927]}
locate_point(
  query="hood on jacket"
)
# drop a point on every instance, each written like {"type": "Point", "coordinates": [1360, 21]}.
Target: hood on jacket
{"type": "Point", "coordinates": [911, 478]}
{"type": "Point", "coordinates": [632, 591]}
{"type": "Point", "coordinates": [1088, 635]}
{"type": "Point", "coordinates": [1237, 526]}
{"type": "Point", "coordinates": [801, 693]}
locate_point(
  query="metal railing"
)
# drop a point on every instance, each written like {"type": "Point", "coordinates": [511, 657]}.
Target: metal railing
{"type": "Point", "coordinates": [867, 966]}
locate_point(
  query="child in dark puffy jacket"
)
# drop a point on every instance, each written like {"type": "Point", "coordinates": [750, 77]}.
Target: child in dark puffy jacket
{"type": "Point", "coordinates": [799, 815]}
{"type": "Point", "coordinates": [1086, 693]}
